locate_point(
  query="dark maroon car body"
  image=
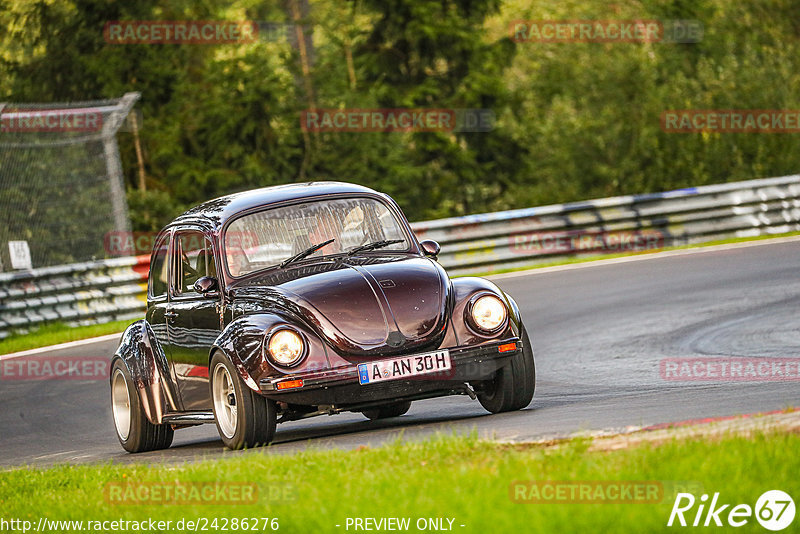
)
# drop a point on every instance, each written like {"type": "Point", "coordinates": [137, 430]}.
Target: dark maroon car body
{"type": "Point", "coordinates": [349, 309]}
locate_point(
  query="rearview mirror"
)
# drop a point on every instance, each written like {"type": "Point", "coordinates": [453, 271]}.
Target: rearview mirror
{"type": "Point", "coordinates": [208, 286]}
{"type": "Point", "coordinates": [430, 248]}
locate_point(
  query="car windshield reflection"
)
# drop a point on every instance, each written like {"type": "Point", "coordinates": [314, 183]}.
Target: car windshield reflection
{"type": "Point", "coordinates": [268, 238]}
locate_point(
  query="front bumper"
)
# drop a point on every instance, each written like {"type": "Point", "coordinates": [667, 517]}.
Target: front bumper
{"type": "Point", "coordinates": [340, 386]}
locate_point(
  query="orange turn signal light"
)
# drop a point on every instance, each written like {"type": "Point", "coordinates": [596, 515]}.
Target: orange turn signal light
{"type": "Point", "coordinates": [290, 384]}
{"type": "Point", "coordinates": [508, 347]}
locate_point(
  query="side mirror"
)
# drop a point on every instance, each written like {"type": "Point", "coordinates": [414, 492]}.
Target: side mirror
{"type": "Point", "coordinates": [430, 248]}
{"type": "Point", "coordinates": [208, 286]}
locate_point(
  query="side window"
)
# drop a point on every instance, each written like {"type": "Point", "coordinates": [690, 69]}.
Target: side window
{"type": "Point", "coordinates": [196, 259]}
{"type": "Point", "coordinates": [158, 268]}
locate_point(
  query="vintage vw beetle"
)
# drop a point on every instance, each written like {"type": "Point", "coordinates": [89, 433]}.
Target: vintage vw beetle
{"type": "Point", "coordinates": [293, 301]}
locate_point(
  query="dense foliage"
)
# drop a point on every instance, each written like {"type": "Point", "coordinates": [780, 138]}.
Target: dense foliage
{"type": "Point", "coordinates": [574, 120]}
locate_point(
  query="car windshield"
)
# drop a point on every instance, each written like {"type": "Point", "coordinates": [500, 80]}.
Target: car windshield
{"type": "Point", "coordinates": [268, 238]}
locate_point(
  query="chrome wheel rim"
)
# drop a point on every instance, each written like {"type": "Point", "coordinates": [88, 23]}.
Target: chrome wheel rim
{"type": "Point", "coordinates": [121, 405]}
{"type": "Point", "coordinates": [225, 400]}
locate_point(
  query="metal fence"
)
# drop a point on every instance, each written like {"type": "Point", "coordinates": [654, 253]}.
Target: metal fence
{"type": "Point", "coordinates": [115, 289]}
{"type": "Point", "coordinates": [61, 181]}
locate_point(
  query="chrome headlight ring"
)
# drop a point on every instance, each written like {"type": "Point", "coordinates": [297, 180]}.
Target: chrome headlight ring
{"type": "Point", "coordinates": [486, 313]}
{"type": "Point", "coordinates": [285, 346]}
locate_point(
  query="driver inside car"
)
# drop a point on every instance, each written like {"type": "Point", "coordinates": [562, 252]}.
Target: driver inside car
{"type": "Point", "coordinates": [326, 227]}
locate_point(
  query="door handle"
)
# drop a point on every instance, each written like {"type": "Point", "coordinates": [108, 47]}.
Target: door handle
{"type": "Point", "coordinates": [170, 314]}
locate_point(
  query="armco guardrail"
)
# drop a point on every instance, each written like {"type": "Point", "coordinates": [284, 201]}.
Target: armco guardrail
{"type": "Point", "coordinates": [520, 238]}
{"type": "Point", "coordinates": [115, 289]}
{"type": "Point", "coordinates": [80, 293]}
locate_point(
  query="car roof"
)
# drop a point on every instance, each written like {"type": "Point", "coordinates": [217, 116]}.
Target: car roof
{"type": "Point", "coordinates": [215, 213]}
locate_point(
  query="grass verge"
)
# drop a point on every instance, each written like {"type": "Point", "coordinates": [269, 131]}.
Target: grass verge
{"type": "Point", "coordinates": [459, 478]}
{"type": "Point", "coordinates": [55, 333]}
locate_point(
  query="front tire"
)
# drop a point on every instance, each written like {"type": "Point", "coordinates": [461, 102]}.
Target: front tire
{"type": "Point", "coordinates": [244, 418]}
{"type": "Point", "coordinates": [134, 431]}
{"type": "Point", "coordinates": [390, 410]}
{"type": "Point", "coordinates": [513, 386]}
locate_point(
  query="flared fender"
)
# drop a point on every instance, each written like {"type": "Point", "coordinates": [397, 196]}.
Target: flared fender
{"type": "Point", "coordinates": [463, 290]}
{"type": "Point", "coordinates": [142, 354]}
{"type": "Point", "coordinates": [242, 342]}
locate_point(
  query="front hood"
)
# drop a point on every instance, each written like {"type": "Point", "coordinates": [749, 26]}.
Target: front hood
{"type": "Point", "coordinates": [363, 307]}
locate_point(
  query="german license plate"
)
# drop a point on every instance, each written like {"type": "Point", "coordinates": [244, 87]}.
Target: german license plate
{"type": "Point", "coordinates": [398, 368]}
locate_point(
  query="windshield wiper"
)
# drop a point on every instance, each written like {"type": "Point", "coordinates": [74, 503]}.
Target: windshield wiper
{"type": "Point", "coordinates": [375, 244]}
{"type": "Point", "coordinates": [307, 252]}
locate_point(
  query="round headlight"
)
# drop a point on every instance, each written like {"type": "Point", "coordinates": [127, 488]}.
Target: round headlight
{"type": "Point", "coordinates": [489, 313]}
{"type": "Point", "coordinates": [285, 347]}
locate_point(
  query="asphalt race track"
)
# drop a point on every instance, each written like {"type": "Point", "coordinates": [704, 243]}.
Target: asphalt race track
{"type": "Point", "coordinates": [599, 333]}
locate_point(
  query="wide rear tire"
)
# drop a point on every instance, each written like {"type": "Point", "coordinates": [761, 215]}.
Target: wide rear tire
{"type": "Point", "coordinates": [244, 418]}
{"type": "Point", "coordinates": [513, 386]}
{"type": "Point", "coordinates": [134, 432]}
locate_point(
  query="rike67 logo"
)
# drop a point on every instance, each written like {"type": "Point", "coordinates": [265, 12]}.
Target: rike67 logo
{"type": "Point", "coordinates": [774, 510]}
